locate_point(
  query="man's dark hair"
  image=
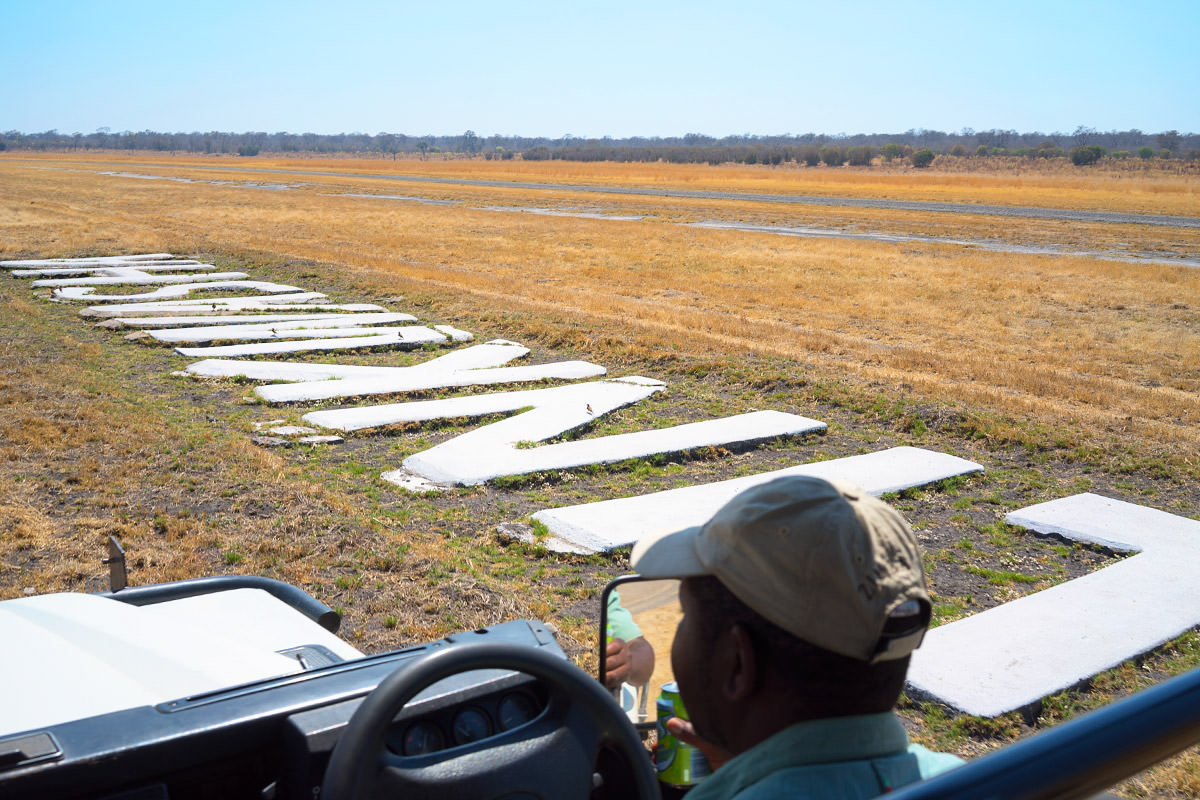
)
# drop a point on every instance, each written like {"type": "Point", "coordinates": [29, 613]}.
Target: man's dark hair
{"type": "Point", "coordinates": [822, 683]}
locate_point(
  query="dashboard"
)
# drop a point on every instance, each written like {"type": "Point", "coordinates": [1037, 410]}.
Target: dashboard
{"type": "Point", "coordinates": [273, 738]}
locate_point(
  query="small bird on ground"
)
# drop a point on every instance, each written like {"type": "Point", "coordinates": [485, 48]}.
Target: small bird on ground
{"type": "Point", "coordinates": [589, 408]}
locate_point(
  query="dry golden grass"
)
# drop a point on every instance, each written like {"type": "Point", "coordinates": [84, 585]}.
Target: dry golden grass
{"type": "Point", "coordinates": [1110, 348]}
{"type": "Point", "coordinates": [1130, 187]}
{"type": "Point", "coordinates": [1094, 359]}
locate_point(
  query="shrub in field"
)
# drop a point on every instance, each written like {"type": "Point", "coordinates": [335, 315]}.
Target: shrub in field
{"type": "Point", "coordinates": [1145, 153]}
{"type": "Point", "coordinates": [1119, 155]}
{"type": "Point", "coordinates": [958, 150]}
{"type": "Point", "coordinates": [860, 156]}
{"type": "Point", "coordinates": [1086, 154]}
{"type": "Point", "coordinates": [922, 158]}
{"type": "Point", "coordinates": [248, 150]}
{"type": "Point", "coordinates": [891, 151]}
{"type": "Point", "coordinates": [982, 150]}
{"type": "Point", "coordinates": [832, 156]}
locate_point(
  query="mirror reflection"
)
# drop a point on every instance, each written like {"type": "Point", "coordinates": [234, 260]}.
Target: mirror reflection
{"type": "Point", "coordinates": [640, 619]}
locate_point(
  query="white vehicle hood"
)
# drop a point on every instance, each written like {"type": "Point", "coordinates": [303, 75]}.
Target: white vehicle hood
{"type": "Point", "coordinates": [71, 656]}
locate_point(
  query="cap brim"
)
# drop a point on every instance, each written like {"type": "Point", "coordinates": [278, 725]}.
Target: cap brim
{"type": "Point", "coordinates": [671, 554]}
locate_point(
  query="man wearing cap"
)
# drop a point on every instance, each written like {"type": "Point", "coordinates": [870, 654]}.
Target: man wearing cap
{"type": "Point", "coordinates": [802, 600]}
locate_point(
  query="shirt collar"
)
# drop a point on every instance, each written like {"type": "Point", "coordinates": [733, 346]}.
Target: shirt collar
{"type": "Point", "coordinates": [814, 742]}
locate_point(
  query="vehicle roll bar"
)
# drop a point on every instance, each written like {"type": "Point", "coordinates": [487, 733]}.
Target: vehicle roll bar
{"type": "Point", "coordinates": [1082, 757]}
{"type": "Point", "coordinates": [297, 598]}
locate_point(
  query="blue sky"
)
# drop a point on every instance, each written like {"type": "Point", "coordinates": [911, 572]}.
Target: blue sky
{"type": "Point", "coordinates": [617, 69]}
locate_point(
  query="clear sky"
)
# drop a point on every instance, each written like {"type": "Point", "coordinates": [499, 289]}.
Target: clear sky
{"type": "Point", "coordinates": [598, 69]}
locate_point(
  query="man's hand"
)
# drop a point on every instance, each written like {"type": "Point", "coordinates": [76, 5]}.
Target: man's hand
{"type": "Point", "coordinates": [618, 660]}
{"type": "Point", "coordinates": [628, 662]}
{"type": "Point", "coordinates": [682, 730]}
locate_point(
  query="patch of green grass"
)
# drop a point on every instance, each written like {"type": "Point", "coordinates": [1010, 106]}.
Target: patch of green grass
{"type": "Point", "coordinates": [948, 609]}
{"type": "Point", "coordinates": [346, 582]}
{"type": "Point", "coordinates": [1001, 577]}
{"type": "Point", "coordinates": [999, 534]}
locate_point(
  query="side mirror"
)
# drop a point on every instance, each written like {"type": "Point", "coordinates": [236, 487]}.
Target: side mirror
{"type": "Point", "coordinates": [631, 608]}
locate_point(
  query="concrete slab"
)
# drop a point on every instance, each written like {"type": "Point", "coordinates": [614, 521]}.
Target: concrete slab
{"type": "Point", "coordinates": [337, 325]}
{"type": "Point", "coordinates": [436, 374]}
{"type": "Point", "coordinates": [291, 430]}
{"type": "Point", "coordinates": [520, 532]}
{"type": "Point", "coordinates": [98, 260]}
{"type": "Point", "coordinates": [246, 333]}
{"type": "Point", "coordinates": [168, 321]}
{"type": "Point", "coordinates": [324, 438]}
{"type": "Point", "coordinates": [455, 334]}
{"type": "Point", "coordinates": [488, 354]}
{"type": "Point", "coordinates": [1012, 656]}
{"type": "Point", "coordinates": [279, 370]}
{"type": "Point", "coordinates": [217, 307]}
{"type": "Point", "coordinates": [504, 447]}
{"type": "Point", "coordinates": [137, 277]}
{"type": "Point", "coordinates": [492, 451]}
{"type": "Point", "coordinates": [610, 524]}
{"type": "Point", "coordinates": [161, 266]}
{"type": "Point", "coordinates": [412, 336]}
{"type": "Point", "coordinates": [396, 384]}
{"type": "Point", "coordinates": [555, 410]}
{"type": "Point", "coordinates": [88, 294]}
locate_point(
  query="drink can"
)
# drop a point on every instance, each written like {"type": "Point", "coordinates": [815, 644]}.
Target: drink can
{"type": "Point", "coordinates": [678, 763]}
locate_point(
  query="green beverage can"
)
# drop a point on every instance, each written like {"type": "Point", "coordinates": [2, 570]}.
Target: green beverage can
{"type": "Point", "coordinates": [678, 763]}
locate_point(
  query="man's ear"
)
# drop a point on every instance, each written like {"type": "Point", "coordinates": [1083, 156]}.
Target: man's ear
{"type": "Point", "coordinates": [741, 681]}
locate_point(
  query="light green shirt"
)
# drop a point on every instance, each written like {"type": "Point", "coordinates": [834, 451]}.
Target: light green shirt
{"type": "Point", "coordinates": [839, 758]}
{"type": "Point", "coordinates": [620, 620]}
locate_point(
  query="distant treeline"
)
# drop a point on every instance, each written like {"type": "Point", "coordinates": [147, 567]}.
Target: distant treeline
{"type": "Point", "coordinates": [920, 147]}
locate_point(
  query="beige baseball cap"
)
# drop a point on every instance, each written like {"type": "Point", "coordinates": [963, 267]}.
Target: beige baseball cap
{"type": "Point", "coordinates": [823, 560]}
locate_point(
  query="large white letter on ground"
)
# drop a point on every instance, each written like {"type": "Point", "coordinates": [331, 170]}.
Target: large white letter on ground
{"type": "Point", "coordinates": [110, 261]}
{"type": "Point", "coordinates": [358, 324]}
{"type": "Point", "coordinates": [186, 265]}
{"type": "Point", "coordinates": [471, 366]}
{"type": "Point", "coordinates": [87, 293]}
{"type": "Point", "coordinates": [122, 276]}
{"type": "Point", "coordinates": [492, 451]}
{"type": "Point", "coordinates": [337, 339]}
{"type": "Point", "coordinates": [607, 524]}
{"type": "Point", "coordinates": [299, 301]}
{"type": "Point", "coordinates": [1012, 656]}
{"type": "Point", "coordinates": [168, 321]}
{"type": "Point", "coordinates": [467, 367]}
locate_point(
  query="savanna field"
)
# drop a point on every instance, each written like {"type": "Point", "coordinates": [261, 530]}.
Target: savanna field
{"type": "Point", "coordinates": [1061, 354]}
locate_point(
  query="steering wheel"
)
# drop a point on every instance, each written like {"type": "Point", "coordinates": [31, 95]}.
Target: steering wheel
{"type": "Point", "coordinates": [554, 755]}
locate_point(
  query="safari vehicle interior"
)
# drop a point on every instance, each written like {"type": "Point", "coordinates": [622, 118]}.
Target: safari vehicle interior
{"type": "Point", "coordinates": [237, 687]}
